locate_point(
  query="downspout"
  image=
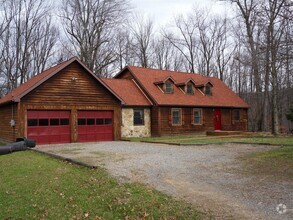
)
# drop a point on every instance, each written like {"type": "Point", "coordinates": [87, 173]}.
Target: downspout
{"type": "Point", "coordinates": [12, 121]}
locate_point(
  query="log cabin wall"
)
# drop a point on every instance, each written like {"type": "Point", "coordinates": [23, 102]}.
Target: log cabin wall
{"type": "Point", "coordinates": [187, 127]}
{"type": "Point", "coordinates": [7, 132]}
{"type": "Point", "coordinates": [228, 124]}
{"type": "Point", "coordinates": [165, 127]}
{"type": "Point", "coordinates": [155, 121]}
{"type": "Point", "coordinates": [226, 119]}
{"type": "Point", "coordinates": [71, 89]}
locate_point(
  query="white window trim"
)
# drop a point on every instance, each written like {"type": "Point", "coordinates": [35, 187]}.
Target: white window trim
{"type": "Point", "coordinates": [176, 109]}
{"type": "Point", "coordinates": [201, 116]}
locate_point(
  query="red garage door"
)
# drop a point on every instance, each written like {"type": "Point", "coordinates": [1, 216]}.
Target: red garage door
{"type": "Point", "coordinates": [95, 126]}
{"type": "Point", "coordinates": [48, 127]}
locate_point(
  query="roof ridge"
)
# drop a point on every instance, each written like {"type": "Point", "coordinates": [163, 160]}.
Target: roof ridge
{"type": "Point", "coordinates": [173, 71]}
{"type": "Point", "coordinates": [104, 78]}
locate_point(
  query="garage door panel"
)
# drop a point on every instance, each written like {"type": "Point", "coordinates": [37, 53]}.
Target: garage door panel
{"type": "Point", "coordinates": [46, 128]}
{"type": "Point", "coordinates": [94, 126]}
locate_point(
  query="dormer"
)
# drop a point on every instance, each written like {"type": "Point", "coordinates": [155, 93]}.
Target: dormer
{"type": "Point", "coordinates": [187, 86]}
{"type": "Point", "coordinates": [206, 88]}
{"type": "Point", "coordinates": [166, 85]}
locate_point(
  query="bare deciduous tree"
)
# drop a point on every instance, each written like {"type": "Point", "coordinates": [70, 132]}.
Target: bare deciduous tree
{"type": "Point", "coordinates": [27, 41]}
{"type": "Point", "coordinates": [142, 39]}
{"type": "Point", "coordinates": [90, 26]}
{"type": "Point", "coordinates": [266, 27]}
{"type": "Point", "coordinates": [202, 41]}
{"type": "Point", "coordinates": [185, 42]}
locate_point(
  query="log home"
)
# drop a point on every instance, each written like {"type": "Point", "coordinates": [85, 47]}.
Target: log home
{"type": "Point", "coordinates": [68, 103]}
{"type": "Point", "coordinates": [186, 103]}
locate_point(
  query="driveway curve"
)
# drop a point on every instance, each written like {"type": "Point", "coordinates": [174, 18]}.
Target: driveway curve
{"type": "Point", "coordinates": [207, 176]}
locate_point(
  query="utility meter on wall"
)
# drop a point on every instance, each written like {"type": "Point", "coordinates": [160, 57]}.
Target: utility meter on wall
{"type": "Point", "coordinates": [12, 123]}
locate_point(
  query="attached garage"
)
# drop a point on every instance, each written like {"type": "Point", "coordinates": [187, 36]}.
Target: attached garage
{"type": "Point", "coordinates": [95, 126]}
{"type": "Point", "coordinates": [48, 127]}
{"type": "Point", "coordinates": [65, 104]}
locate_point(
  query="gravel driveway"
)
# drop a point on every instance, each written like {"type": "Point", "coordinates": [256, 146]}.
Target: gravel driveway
{"type": "Point", "coordinates": [207, 176]}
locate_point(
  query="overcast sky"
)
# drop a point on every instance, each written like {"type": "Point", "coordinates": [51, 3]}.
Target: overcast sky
{"type": "Point", "coordinates": [162, 11]}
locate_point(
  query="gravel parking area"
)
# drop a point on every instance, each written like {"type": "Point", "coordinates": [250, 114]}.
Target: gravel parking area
{"type": "Point", "coordinates": [209, 176]}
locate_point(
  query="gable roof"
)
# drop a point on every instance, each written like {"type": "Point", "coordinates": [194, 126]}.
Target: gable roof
{"type": "Point", "coordinates": [186, 82]}
{"type": "Point", "coordinates": [165, 80]}
{"type": "Point", "coordinates": [37, 80]}
{"type": "Point", "coordinates": [127, 91]}
{"type": "Point", "coordinates": [222, 96]}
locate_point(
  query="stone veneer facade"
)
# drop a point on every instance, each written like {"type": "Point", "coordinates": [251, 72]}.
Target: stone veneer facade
{"type": "Point", "coordinates": [129, 130]}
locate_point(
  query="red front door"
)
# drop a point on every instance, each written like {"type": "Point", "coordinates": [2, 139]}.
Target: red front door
{"type": "Point", "coordinates": [217, 119]}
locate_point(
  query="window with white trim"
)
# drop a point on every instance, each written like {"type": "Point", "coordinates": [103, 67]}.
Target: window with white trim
{"type": "Point", "coordinates": [197, 116]}
{"type": "Point", "coordinates": [176, 116]}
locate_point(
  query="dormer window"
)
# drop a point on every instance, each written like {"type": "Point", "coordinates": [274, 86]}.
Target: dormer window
{"type": "Point", "coordinates": [208, 90]}
{"type": "Point", "coordinates": [189, 89]}
{"type": "Point", "coordinates": [168, 87]}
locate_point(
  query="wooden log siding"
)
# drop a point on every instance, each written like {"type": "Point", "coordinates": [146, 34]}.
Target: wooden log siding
{"type": "Point", "coordinates": [187, 127]}
{"type": "Point", "coordinates": [8, 133]}
{"type": "Point", "coordinates": [62, 93]}
{"type": "Point", "coordinates": [164, 127]}
{"type": "Point", "coordinates": [155, 121]}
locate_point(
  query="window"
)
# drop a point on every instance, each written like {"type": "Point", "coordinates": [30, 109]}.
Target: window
{"type": "Point", "coordinates": [64, 121]}
{"type": "Point", "coordinates": [176, 116]}
{"type": "Point", "coordinates": [90, 121]}
{"type": "Point", "coordinates": [236, 115]}
{"type": "Point", "coordinates": [168, 87]}
{"type": "Point", "coordinates": [197, 116]}
{"type": "Point", "coordinates": [208, 90]}
{"type": "Point", "coordinates": [108, 121]}
{"type": "Point", "coordinates": [99, 121]}
{"type": "Point", "coordinates": [81, 121]}
{"type": "Point", "coordinates": [189, 89]}
{"type": "Point", "coordinates": [32, 122]}
{"type": "Point", "coordinates": [43, 122]}
{"type": "Point", "coordinates": [138, 117]}
{"type": "Point", "coordinates": [54, 121]}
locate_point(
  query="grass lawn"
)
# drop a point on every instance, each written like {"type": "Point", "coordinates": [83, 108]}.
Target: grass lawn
{"type": "Point", "coordinates": [34, 186]}
{"type": "Point", "coordinates": [276, 163]}
{"type": "Point", "coordinates": [285, 141]}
